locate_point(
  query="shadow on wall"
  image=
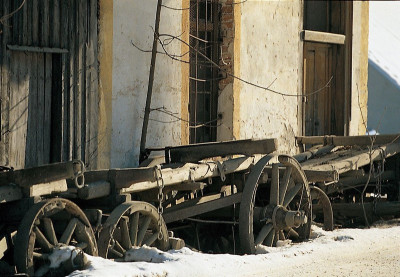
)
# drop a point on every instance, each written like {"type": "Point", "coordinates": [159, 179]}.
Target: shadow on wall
{"type": "Point", "coordinates": [383, 101]}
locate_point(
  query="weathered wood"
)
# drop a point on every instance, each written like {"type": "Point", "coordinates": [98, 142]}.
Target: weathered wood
{"type": "Point", "coordinates": [197, 208]}
{"type": "Point", "coordinates": [349, 140]}
{"type": "Point", "coordinates": [38, 175]}
{"type": "Point", "coordinates": [196, 172]}
{"type": "Point", "coordinates": [48, 50]}
{"type": "Point", "coordinates": [94, 190]}
{"type": "Point", "coordinates": [356, 209]}
{"type": "Point", "coordinates": [46, 188]}
{"type": "Point", "coordinates": [123, 178]}
{"type": "Point", "coordinates": [10, 193]}
{"type": "Point", "coordinates": [314, 176]}
{"type": "Point", "coordinates": [323, 37]}
{"type": "Point", "coordinates": [351, 160]}
{"type": "Point", "coordinates": [314, 152]}
{"type": "Point", "coordinates": [197, 152]}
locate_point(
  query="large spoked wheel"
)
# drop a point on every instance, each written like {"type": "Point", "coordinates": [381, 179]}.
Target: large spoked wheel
{"type": "Point", "coordinates": [276, 208]}
{"type": "Point", "coordinates": [132, 224]}
{"type": "Point", "coordinates": [49, 224]}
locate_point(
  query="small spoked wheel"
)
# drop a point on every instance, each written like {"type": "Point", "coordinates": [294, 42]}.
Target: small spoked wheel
{"type": "Point", "coordinates": [274, 208]}
{"type": "Point", "coordinates": [132, 224]}
{"type": "Point", "coordinates": [47, 225]}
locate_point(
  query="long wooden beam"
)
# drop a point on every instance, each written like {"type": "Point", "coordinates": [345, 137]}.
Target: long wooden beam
{"type": "Point", "coordinates": [197, 152]}
{"type": "Point", "coordinates": [196, 208]}
{"type": "Point", "coordinates": [349, 140]}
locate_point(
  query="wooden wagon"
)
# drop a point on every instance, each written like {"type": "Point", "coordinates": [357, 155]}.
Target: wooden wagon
{"type": "Point", "coordinates": [107, 212]}
{"type": "Point", "coordinates": [214, 195]}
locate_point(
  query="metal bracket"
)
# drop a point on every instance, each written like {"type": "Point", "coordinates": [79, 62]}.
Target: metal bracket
{"type": "Point", "coordinates": [221, 169]}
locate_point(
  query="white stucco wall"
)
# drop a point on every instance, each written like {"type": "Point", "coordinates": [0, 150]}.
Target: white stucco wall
{"type": "Point", "coordinates": [132, 21]}
{"type": "Point", "coordinates": [271, 49]}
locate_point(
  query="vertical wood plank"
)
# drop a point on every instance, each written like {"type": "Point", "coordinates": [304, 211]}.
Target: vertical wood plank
{"type": "Point", "coordinates": [92, 88]}
{"type": "Point", "coordinates": [35, 22]}
{"type": "Point", "coordinates": [47, 108]}
{"type": "Point", "coordinates": [65, 67]}
{"type": "Point", "coordinates": [4, 85]}
{"type": "Point", "coordinates": [73, 81]}
{"type": "Point", "coordinates": [83, 42]}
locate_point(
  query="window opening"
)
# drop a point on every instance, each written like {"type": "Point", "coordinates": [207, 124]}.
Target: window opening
{"type": "Point", "coordinates": [203, 86]}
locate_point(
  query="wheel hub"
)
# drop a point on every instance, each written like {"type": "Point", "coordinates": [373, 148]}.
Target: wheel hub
{"type": "Point", "coordinates": [283, 218]}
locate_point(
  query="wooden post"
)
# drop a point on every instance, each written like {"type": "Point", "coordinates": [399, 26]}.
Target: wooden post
{"type": "Point", "coordinates": [150, 85]}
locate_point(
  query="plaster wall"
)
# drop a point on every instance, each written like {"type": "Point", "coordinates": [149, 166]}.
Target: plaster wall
{"type": "Point", "coordinates": [383, 101]}
{"type": "Point", "coordinates": [271, 53]}
{"type": "Point", "coordinates": [132, 21]}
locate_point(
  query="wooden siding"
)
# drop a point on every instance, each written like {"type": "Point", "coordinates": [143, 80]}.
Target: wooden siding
{"type": "Point", "coordinates": [48, 82]}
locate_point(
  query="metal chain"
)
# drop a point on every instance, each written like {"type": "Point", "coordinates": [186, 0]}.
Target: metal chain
{"type": "Point", "coordinates": [160, 198]}
{"type": "Point", "coordinates": [378, 186]}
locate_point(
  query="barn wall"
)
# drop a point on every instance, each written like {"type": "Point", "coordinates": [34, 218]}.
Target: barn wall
{"type": "Point", "coordinates": [69, 25]}
{"type": "Point", "coordinates": [132, 21]}
{"type": "Point", "coordinates": [271, 52]}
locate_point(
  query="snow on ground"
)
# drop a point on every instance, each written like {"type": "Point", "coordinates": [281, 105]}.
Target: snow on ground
{"type": "Point", "coordinates": [343, 252]}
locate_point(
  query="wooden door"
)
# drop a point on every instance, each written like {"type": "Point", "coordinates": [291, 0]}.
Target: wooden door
{"type": "Point", "coordinates": [30, 109]}
{"type": "Point", "coordinates": [318, 114]}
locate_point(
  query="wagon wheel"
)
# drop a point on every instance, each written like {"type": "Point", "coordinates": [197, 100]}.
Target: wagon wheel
{"type": "Point", "coordinates": [47, 224]}
{"type": "Point", "coordinates": [277, 211]}
{"type": "Point", "coordinates": [132, 224]}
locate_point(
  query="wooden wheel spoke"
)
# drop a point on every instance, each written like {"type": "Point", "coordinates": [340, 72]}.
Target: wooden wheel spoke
{"type": "Point", "coordinates": [291, 194]}
{"type": "Point", "coordinates": [284, 185]}
{"type": "Point", "coordinates": [49, 230]}
{"type": "Point", "coordinates": [269, 241]}
{"type": "Point", "coordinates": [149, 241]}
{"type": "Point", "coordinates": [116, 253]}
{"type": "Point", "coordinates": [69, 230]}
{"type": "Point", "coordinates": [82, 245]}
{"type": "Point", "coordinates": [281, 235]}
{"type": "Point", "coordinates": [133, 231]}
{"type": "Point", "coordinates": [125, 238]}
{"type": "Point", "coordinates": [274, 192]}
{"type": "Point", "coordinates": [118, 247]}
{"type": "Point", "coordinates": [265, 230]}
{"type": "Point", "coordinates": [143, 229]}
{"type": "Point", "coordinates": [42, 241]}
{"type": "Point", "coordinates": [40, 256]}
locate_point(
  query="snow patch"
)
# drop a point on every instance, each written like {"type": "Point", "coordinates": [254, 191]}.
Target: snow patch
{"type": "Point", "coordinates": [147, 254]}
{"type": "Point", "coordinates": [62, 254]}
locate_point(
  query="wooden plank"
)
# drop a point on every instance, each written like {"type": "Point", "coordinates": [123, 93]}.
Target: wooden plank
{"type": "Point", "coordinates": [349, 140]}
{"type": "Point", "coordinates": [74, 124]}
{"type": "Point", "coordinates": [196, 172]}
{"type": "Point", "coordinates": [35, 49]}
{"type": "Point", "coordinates": [41, 174]}
{"type": "Point", "coordinates": [10, 193]}
{"type": "Point", "coordinates": [46, 142]}
{"type": "Point", "coordinates": [92, 84]}
{"type": "Point", "coordinates": [356, 209]}
{"type": "Point", "coordinates": [18, 112]}
{"type": "Point", "coordinates": [313, 152]}
{"type": "Point", "coordinates": [315, 176]}
{"type": "Point", "coordinates": [204, 207]}
{"type": "Point", "coordinates": [66, 85]}
{"type": "Point", "coordinates": [94, 190]}
{"type": "Point", "coordinates": [40, 111]}
{"type": "Point", "coordinates": [46, 188]}
{"type": "Point", "coordinates": [323, 37]}
{"type": "Point", "coordinates": [5, 87]}
{"type": "Point", "coordinates": [123, 178]}
{"type": "Point", "coordinates": [352, 160]}
{"type": "Point", "coordinates": [197, 152]}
